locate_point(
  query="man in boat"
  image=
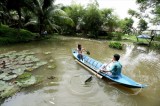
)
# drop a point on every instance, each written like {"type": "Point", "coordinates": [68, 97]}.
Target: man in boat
{"type": "Point", "coordinates": [113, 68]}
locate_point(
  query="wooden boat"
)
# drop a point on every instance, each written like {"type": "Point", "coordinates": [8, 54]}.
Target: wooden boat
{"type": "Point", "coordinates": [93, 65]}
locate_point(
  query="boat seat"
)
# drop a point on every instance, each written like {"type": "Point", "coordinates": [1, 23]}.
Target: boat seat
{"type": "Point", "coordinates": [95, 63]}
{"type": "Point", "coordinates": [98, 65]}
{"type": "Point", "coordinates": [91, 62]}
{"type": "Point", "coordinates": [86, 59]}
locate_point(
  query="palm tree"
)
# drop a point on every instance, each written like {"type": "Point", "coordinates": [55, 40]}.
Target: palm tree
{"type": "Point", "coordinates": [46, 13]}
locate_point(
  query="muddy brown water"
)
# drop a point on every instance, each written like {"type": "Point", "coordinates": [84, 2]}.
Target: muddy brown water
{"type": "Point", "coordinates": [67, 89]}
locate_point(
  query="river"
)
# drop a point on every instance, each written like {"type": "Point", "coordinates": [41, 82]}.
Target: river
{"type": "Point", "coordinates": [67, 89]}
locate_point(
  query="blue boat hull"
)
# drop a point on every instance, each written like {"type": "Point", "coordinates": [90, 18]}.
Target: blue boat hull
{"type": "Point", "coordinates": [95, 65]}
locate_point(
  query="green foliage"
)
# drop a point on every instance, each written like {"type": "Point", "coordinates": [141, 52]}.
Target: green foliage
{"type": "Point", "coordinates": [115, 45]}
{"type": "Point", "coordinates": [133, 13]}
{"type": "Point", "coordinates": [109, 19]}
{"type": "Point", "coordinates": [117, 35]}
{"type": "Point", "coordinates": [153, 6]}
{"type": "Point", "coordinates": [126, 25]}
{"type": "Point", "coordinates": [43, 13]}
{"type": "Point", "coordinates": [155, 45]}
{"type": "Point", "coordinates": [157, 38]}
{"type": "Point", "coordinates": [10, 35]}
{"type": "Point", "coordinates": [142, 25]}
{"type": "Point", "coordinates": [75, 12]}
{"type": "Point", "coordinates": [92, 19]}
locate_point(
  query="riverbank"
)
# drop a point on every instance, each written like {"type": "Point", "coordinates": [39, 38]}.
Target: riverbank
{"type": "Point", "coordinates": [13, 36]}
{"type": "Point", "coordinates": [155, 45]}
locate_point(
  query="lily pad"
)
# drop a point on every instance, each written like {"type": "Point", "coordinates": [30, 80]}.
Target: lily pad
{"type": "Point", "coordinates": [35, 67]}
{"type": "Point", "coordinates": [41, 63]}
{"type": "Point", "coordinates": [10, 90]}
{"type": "Point", "coordinates": [18, 71]}
{"type": "Point", "coordinates": [3, 85]}
{"type": "Point", "coordinates": [3, 75]}
{"type": "Point", "coordinates": [28, 65]}
{"type": "Point", "coordinates": [28, 82]}
{"type": "Point", "coordinates": [24, 76]}
{"type": "Point", "coordinates": [51, 66]}
{"type": "Point", "coordinates": [16, 65]}
{"type": "Point", "coordinates": [47, 53]}
{"type": "Point", "coordinates": [51, 60]}
{"type": "Point", "coordinates": [29, 69]}
{"type": "Point", "coordinates": [9, 77]}
{"type": "Point", "coordinates": [2, 56]}
{"type": "Point", "coordinates": [28, 58]}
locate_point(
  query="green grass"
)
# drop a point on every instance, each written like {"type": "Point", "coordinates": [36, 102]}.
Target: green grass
{"type": "Point", "coordinates": [132, 38]}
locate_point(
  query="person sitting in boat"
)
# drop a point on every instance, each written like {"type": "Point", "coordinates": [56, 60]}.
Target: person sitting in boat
{"type": "Point", "coordinates": [80, 50]}
{"type": "Point", "coordinates": [113, 68]}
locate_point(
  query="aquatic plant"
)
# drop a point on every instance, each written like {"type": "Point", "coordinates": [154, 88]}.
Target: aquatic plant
{"type": "Point", "coordinates": [17, 71]}
{"type": "Point", "coordinates": [116, 45]}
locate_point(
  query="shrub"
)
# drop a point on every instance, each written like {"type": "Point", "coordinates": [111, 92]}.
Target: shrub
{"type": "Point", "coordinates": [10, 35]}
{"type": "Point", "coordinates": [115, 45]}
{"type": "Point", "coordinates": [117, 35]}
{"type": "Point", "coordinates": [157, 38]}
{"type": "Point", "coordinates": [155, 45]}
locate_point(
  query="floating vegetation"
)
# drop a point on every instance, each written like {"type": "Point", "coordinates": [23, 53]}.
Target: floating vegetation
{"type": "Point", "coordinates": [115, 45]}
{"type": "Point", "coordinates": [47, 53]}
{"type": "Point", "coordinates": [15, 71]}
{"type": "Point", "coordinates": [51, 60]}
{"type": "Point", "coordinates": [7, 89]}
{"type": "Point", "coordinates": [51, 66]}
{"type": "Point", "coordinates": [24, 76]}
{"type": "Point", "coordinates": [9, 77]}
{"type": "Point", "coordinates": [27, 81]}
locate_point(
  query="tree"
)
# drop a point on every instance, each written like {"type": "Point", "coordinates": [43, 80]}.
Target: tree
{"type": "Point", "coordinates": [109, 19]}
{"type": "Point", "coordinates": [142, 25]}
{"type": "Point", "coordinates": [16, 5]}
{"type": "Point", "coordinates": [126, 25]}
{"type": "Point", "coordinates": [47, 13]}
{"type": "Point", "coordinates": [76, 13]}
{"type": "Point", "coordinates": [133, 13]}
{"type": "Point", "coordinates": [92, 19]}
{"type": "Point", "coordinates": [153, 6]}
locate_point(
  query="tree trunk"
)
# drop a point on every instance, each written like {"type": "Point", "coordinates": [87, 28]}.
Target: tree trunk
{"type": "Point", "coordinates": [41, 30]}
{"type": "Point", "coordinates": [19, 21]}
